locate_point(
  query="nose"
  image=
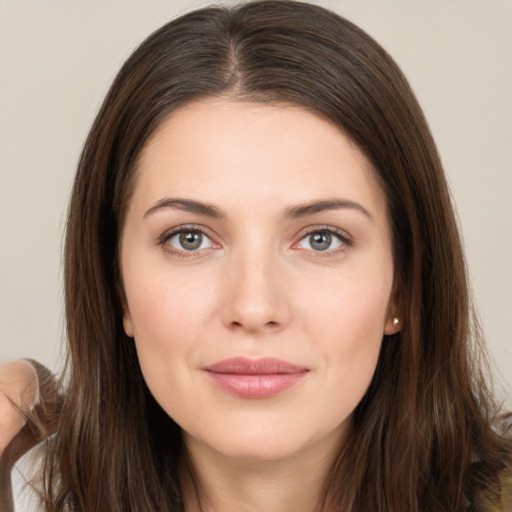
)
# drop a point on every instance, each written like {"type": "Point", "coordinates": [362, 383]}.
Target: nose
{"type": "Point", "coordinates": [255, 294]}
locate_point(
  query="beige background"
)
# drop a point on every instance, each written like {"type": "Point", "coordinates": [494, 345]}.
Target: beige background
{"type": "Point", "coordinates": [57, 58]}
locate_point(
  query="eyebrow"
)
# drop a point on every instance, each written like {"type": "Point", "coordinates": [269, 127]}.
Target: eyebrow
{"type": "Point", "coordinates": [303, 210]}
{"type": "Point", "coordinates": [187, 205]}
{"type": "Point", "coordinates": [293, 212]}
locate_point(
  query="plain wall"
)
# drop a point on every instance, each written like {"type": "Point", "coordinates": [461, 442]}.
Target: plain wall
{"type": "Point", "coordinates": [57, 59]}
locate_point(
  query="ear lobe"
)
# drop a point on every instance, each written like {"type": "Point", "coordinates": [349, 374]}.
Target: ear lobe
{"type": "Point", "coordinates": [127, 323]}
{"type": "Point", "coordinates": [394, 321]}
{"type": "Point", "coordinates": [393, 325]}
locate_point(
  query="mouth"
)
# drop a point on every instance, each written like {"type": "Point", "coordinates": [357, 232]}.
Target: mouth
{"type": "Point", "coordinates": [255, 378]}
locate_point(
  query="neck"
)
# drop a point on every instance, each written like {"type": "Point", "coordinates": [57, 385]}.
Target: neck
{"type": "Point", "coordinates": [213, 482]}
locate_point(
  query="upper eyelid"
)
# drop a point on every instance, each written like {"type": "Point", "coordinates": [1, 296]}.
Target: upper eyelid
{"type": "Point", "coordinates": [345, 239]}
{"type": "Point", "coordinates": [304, 232]}
{"type": "Point", "coordinates": [168, 233]}
{"type": "Point", "coordinates": [341, 233]}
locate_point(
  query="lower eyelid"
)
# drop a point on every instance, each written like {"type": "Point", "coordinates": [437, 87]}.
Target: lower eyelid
{"type": "Point", "coordinates": [205, 237]}
{"type": "Point", "coordinates": [342, 236]}
{"type": "Point", "coordinates": [169, 234]}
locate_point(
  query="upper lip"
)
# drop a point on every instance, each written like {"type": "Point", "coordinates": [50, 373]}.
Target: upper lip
{"type": "Point", "coordinates": [262, 366]}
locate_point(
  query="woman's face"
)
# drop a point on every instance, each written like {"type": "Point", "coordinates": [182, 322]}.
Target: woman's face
{"type": "Point", "coordinates": [257, 264]}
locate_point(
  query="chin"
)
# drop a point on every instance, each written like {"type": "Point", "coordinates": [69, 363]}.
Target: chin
{"type": "Point", "coordinates": [255, 450]}
{"type": "Point", "coordinates": [264, 442]}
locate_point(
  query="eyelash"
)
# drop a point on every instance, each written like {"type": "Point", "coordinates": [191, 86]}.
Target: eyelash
{"type": "Point", "coordinates": [167, 235]}
{"type": "Point", "coordinates": [344, 238]}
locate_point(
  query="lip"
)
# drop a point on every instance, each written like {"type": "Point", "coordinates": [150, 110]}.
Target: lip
{"type": "Point", "coordinates": [255, 378]}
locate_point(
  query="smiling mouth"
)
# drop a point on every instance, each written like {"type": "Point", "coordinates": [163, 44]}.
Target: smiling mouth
{"type": "Point", "coordinates": [255, 378]}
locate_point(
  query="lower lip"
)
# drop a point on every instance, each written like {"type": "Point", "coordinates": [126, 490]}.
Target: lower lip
{"type": "Point", "coordinates": [255, 386]}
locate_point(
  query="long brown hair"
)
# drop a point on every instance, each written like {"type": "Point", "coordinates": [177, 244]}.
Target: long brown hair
{"type": "Point", "coordinates": [423, 438]}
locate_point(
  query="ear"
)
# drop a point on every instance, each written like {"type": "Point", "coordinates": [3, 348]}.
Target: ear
{"type": "Point", "coordinates": [127, 318]}
{"type": "Point", "coordinates": [393, 325]}
{"type": "Point", "coordinates": [394, 318]}
{"type": "Point", "coordinates": [127, 322]}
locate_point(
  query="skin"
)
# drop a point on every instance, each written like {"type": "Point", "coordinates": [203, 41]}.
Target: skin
{"type": "Point", "coordinates": [257, 287]}
{"type": "Point", "coordinates": [18, 392]}
{"type": "Point", "coordinates": [18, 385]}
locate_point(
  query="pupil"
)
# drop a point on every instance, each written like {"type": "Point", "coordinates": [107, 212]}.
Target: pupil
{"type": "Point", "coordinates": [321, 241]}
{"type": "Point", "coordinates": [191, 240]}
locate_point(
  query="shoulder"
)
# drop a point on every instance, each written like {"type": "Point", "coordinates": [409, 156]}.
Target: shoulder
{"type": "Point", "coordinates": [26, 479]}
{"type": "Point", "coordinates": [506, 492]}
{"type": "Point", "coordinates": [504, 428]}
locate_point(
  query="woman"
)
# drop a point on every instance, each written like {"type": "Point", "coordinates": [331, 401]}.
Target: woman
{"type": "Point", "coordinates": [266, 297]}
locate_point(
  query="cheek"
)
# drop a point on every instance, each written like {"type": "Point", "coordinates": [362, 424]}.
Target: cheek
{"type": "Point", "coordinates": [350, 311]}
{"type": "Point", "coordinates": [167, 318]}
{"type": "Point", "coordinates": [168, 312]}
{"type": "Point", "coordinates": [168, 315]}
{"type": "Point", "coordinates": [346, 324]}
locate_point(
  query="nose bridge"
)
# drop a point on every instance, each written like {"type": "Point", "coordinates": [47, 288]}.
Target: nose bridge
{"type": "Point", "coordinates": [254, 295]}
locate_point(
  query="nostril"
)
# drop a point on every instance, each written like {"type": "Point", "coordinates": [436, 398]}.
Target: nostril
{"type": "Point", "coordinates": [236, 324]}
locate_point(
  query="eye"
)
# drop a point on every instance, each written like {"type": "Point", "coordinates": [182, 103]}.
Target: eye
{"type": "Point", "coordinates": [188, 240]}
{"type": "Point", "coordinates": [323, 240]}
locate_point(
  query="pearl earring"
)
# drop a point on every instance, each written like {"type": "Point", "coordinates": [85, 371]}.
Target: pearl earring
{"type": "Point", "coordinates": [395, 321]}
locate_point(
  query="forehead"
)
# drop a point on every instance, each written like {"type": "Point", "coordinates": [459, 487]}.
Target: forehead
{"type": "Point", "coordinates": [245, 153]}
